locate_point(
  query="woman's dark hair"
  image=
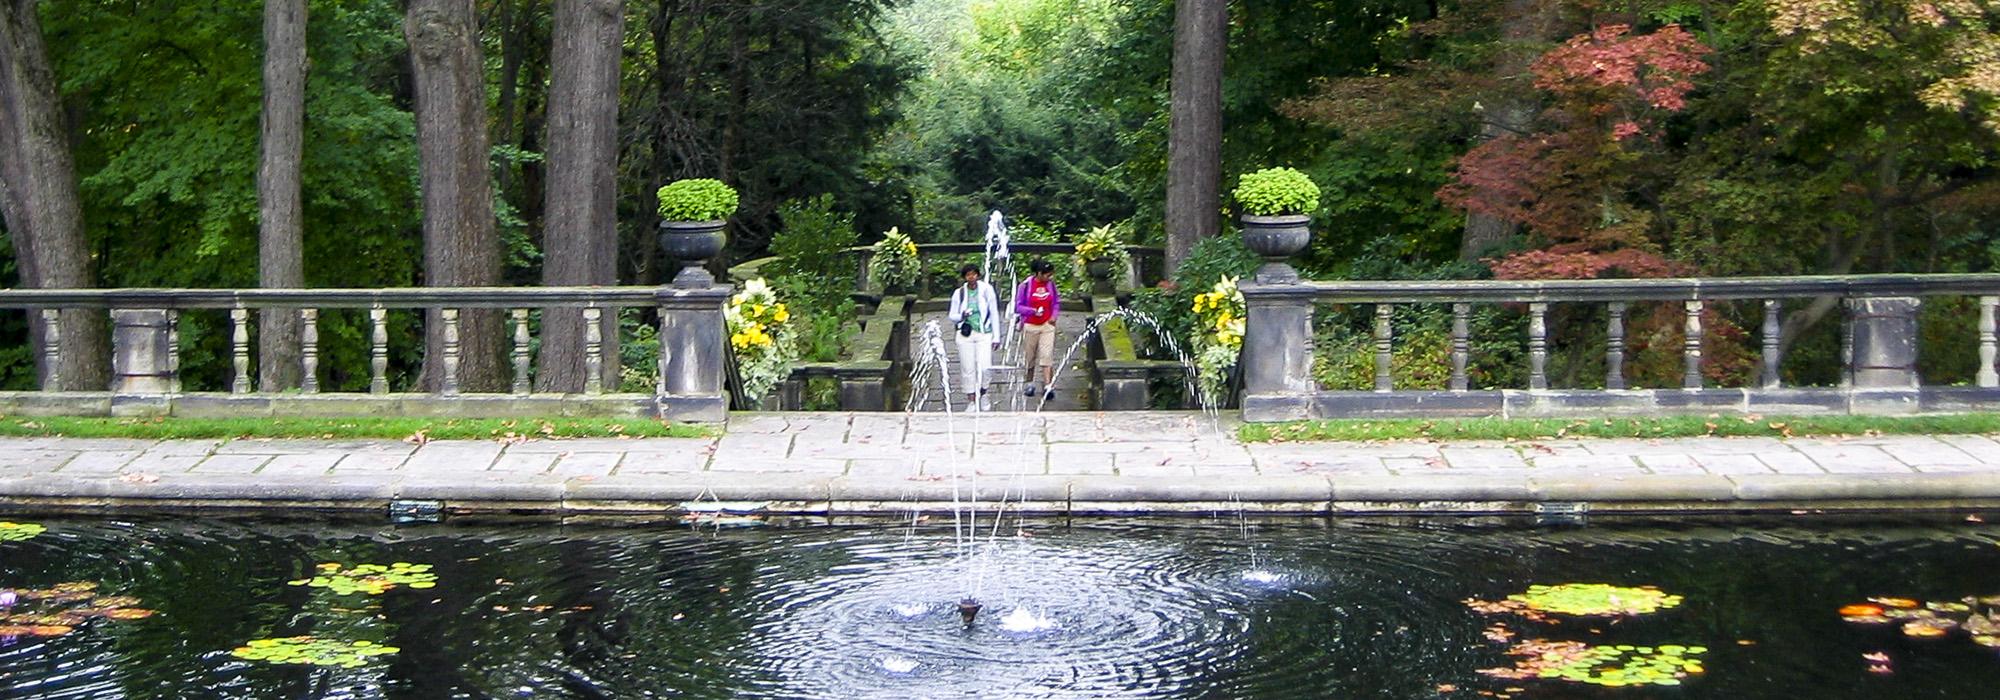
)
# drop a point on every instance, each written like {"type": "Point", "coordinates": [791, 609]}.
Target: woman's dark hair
{"type": "Point", "coordinates": [1040, 266]}
{"type": "Point", "coordinates": [965, 269]}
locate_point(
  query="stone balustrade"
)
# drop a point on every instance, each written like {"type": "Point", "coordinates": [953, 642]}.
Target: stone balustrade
{"type": "Point", "coordinates": [146, 350]}
{"type": "Point", "coordinates": [1878, 348]}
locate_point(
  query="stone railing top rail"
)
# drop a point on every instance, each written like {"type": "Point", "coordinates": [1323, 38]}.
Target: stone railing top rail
{"type": "Point", "coordinates": [392, 298]}
{"type": "Point", "coordinates": [1669, 289]}
{"type": "Point", "coordinates": [967, 247]}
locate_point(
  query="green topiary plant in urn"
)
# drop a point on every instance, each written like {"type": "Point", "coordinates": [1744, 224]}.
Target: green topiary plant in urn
{"type": "Point", "coordinates": [692, 216]}
{"type": "Point", "coordinates": [1276, 206]}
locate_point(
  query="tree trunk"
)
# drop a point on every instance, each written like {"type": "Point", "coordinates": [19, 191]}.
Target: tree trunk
{"type": "Point", "coordinates": [1522, 27]}
{"type": "Point", "coordinates": [1194, 132]}
{"type": "Point", "coordinates": [580, 233]}
{"type": "Point", "coordinates": [280, 231]}
{"type": "Point", "coordinates": [38, 182]}
{"type": "Point", "coordinates": [460, 247]}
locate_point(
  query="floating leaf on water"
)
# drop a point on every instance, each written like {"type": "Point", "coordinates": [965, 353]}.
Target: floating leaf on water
{"type": "Point", "coordinates": [1947, 607]}
{"type": "Point", "coordinates": [1895, 602]}
{"type": "Point", "coordinates": [1924, 629]}
{"type": "Point", "coordinates": [13, 532]}
{"type": "Point", "coordinates": [369, 579]}
{"type": "Point", "coordinates": [1609, 666]}
{"type": "Point", "coordinates": [62, 608]}
{"type": "Point", "coordinates": [312, 651]}
{"type": "Point", "coordinates": [1868, 620]}
{"type": "Point", "coordinates": [1583, 600]}
{"type": "Point", "coordinates": [1861, 610]}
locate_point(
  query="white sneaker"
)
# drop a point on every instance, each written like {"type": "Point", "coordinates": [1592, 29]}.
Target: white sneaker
{"type": "Point", "coordinates": [972, 407]}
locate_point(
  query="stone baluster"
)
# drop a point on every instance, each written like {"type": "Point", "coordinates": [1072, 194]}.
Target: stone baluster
{"type": "Point", "coordinates": [593, 350]}
{"type": "Point", "coordinates": [1538, 346]}
{"type": "Point", "coordinates": [378, 350]}
{"type": "Point", "coordinates": [174, 350]}
{"type": "Point", "coordinates": [1614, 346]}
{"type": "Point", "coordinates": [239, 340]}
{"type": "Point", "coordinates": [1461, 343]}
{"type": "Point", "coordinates": [1987, 376]}
{"type": "Point", "coordinates": [1691, 348]}
{"type": "Point", "coordinates": [1384, 348]}
{"type": "Point", "coordinates": [1847, 344]}
{"type": "Point", "coordinates": [52, 379]}
{"type": "Point", "coordinates": [521, 387]}
{"type": "Point", "coordinates": [450, 385]}
{"type": "Point", "coordinates": [1773, 356]}
{"type": "Point", "coordinates": [308, 351]}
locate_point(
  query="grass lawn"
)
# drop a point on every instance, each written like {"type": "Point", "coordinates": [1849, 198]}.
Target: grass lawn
{"type": "Point", "coordinates": [348, 428]}
{"type": "Point", "coordinates": [1670, 426]}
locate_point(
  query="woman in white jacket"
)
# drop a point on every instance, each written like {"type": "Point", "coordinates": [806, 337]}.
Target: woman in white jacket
{"type": "Point", "coordinates": [975, 313]}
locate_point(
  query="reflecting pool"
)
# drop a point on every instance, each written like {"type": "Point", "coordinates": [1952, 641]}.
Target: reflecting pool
{"type": "Point", "coordinates": [1214, 608]}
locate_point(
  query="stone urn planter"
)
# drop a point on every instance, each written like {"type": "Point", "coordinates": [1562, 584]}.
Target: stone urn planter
{"type": "Point", "coordinates": [693, 243]}
{"type": "Point", "coordinates": [1099, 272]}
{"type": "Point", "coordinates": [1277, 238]}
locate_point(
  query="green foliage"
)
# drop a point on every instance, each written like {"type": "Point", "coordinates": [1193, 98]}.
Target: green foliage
{"type": "Point", "coordinates": [698, 199]}
{"type": "Point", "coordinates": [813, 240]}
{"type": "Point", "coordinates": [895, 262]}
{"type": "Point", "coordinates": [346, 428]}
{"type": "Point", "coordinates": [1356, 430]}
{"type": "Point", "coordinates": [1276, 192]}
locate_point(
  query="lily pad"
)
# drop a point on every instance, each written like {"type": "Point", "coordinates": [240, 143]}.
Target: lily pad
{"type": "Point", "coordinates": [1602, 665]}
{"type": "Point", "coordinates": [61, 609]}
{"type": "Point", "coordinates": [1582, 600]}
{"type": "Point", "coordinates": [312, 651]}
{"type": "Point", "coordinates": [370, 579]}
{"type": "Point", "coordinates": [10, 532]}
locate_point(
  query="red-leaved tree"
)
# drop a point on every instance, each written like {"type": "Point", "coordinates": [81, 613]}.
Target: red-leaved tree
{"type": "Point", "coordinates": [1567, 179]}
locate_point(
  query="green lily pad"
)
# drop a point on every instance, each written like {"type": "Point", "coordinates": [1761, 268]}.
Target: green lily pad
{"type": "Point", "coordinates": [11, 532]}
{"type": "Point", "coordinates": [1601, 665]}
{"type": "Point", "coordinates": [1581, 600]}
{"type": "Point", "coordinates": [370, 579]}
{"type": "Point", "coordinates": [312, 651]}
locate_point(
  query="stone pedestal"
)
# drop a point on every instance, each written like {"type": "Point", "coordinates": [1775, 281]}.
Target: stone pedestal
{"type": "Point", "coordinates": [141, 352]}
{"type": "Point", "coordinates": [1121, 385]}
{"type": "Point", "coordinates": [1277, 352]}
{"type": "Point", "coordinates": [692, 342]}
{"type": "Point", "coordinates": [1883, 357]}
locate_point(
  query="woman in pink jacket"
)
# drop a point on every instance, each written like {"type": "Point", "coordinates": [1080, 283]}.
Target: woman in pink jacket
{"type": "Point", "coordinates": [1036, 303]}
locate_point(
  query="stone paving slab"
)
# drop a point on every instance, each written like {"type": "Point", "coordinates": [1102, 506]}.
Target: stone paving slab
{"type": "Point", "coordinates": [1068, 462]}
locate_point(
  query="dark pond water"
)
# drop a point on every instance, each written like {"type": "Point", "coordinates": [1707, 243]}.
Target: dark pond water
{"type": "Point", "coordinates": [1350, 609]}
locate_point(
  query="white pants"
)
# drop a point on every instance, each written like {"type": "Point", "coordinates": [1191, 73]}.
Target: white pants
{"type": "Point", "coordinates": [975, 356]}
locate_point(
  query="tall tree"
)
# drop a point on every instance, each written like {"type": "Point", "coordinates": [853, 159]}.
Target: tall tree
{"type": "Point", "coordinates": [460, 247]}
{"type": "Point", "coordinates": [1194, 141]}
{"type": "Point", "coordinates": [280, 213]}
{"type": "Point", "coordinates": [580, 236]}
{"type": "Point", "coordinates": [38, 186]}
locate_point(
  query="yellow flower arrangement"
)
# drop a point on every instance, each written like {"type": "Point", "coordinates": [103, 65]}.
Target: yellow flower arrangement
{"type": "Point", "coordinates": [761, 337]}
{"type": "Point", "coordinates": [895, 260]}
{"type": "Point", "coordinates": [1219, 315]}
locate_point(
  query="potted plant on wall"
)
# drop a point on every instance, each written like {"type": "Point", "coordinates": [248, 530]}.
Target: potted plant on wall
{"type": "Point", "coordinates": [895, 263]}
{"type": "Point", "coordinates": [1276, 205]}
{"type": "Point", "coordinates": [1101, 253]}
{"type": "Point", "coordinates": [692, 215]}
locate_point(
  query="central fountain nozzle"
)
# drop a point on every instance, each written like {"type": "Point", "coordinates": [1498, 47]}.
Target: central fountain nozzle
{"type": "Point", "coordinates": [968, 610]}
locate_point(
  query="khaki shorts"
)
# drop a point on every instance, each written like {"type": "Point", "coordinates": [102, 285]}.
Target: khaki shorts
{"type": "Point", "coordinates": [1039, 342]}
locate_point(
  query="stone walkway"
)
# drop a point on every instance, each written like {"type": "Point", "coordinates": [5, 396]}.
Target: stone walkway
{"type": "Point", "coordinates": [1072, 382]}
{"type": "Point", "coordinates": [1052, 462]}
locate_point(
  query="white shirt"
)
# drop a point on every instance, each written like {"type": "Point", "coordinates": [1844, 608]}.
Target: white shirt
{"type": "Point", "coordinates": [987, 304]}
